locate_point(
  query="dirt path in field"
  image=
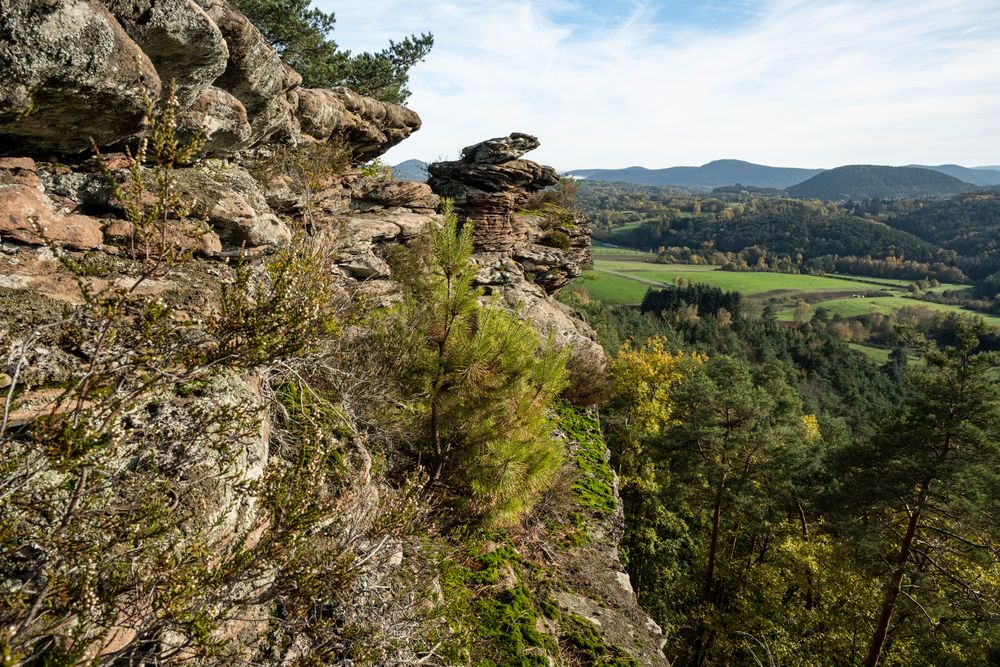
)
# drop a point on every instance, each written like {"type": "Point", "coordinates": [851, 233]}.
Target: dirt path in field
{"type": "Point", "coordinates": [645, 281]}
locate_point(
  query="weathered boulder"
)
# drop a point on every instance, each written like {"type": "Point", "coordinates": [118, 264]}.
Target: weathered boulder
{"type": "Point", "coordinates": [392, 194]}
{"type": "Point", "coordinates": [182, 42]}
{"type": "Point", "coordinates": [368, 126]}
{"type": "Point", "coordinates": [501, 149]}
{"type": "Point", "coordinates": [232, 204]}
{"type": "Point", "coordinates": [28, 216]}
{"type": "Point", "coordinates": [221, 119]}
{"type": "Point", "coordinates": [372, 127]}
{"type": "Point", "coordinates": [68, 73]}
{"type": "Point", "coordinates": [319, 111]}
{"type": "Point", "coordinates": [254, 73]}
{"type": "Point", "coordinates": [557, 248]}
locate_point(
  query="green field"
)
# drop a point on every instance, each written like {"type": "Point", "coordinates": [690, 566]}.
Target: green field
{"type": "Point", "coordinates": [747, 283]}
{"type": "Point", "coordinates": [611, 288]}
{"type": "Point", "coordinates": [855, 307]}
{"type": "Point", "coordinates": [623, 277]}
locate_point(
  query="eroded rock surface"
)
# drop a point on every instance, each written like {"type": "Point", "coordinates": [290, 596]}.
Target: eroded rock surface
{"type": "Point", "coordinates": [488, 184]}
{"type": "Point", "coordinates": [183, 43]}
{"type": "Point", "coordinates": [68, 73]}
{"type": "Point", "coordinates": [76, 70]}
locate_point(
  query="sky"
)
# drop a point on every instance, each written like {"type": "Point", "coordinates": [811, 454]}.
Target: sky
{"type": "Point", "coordinates": [806, 83]}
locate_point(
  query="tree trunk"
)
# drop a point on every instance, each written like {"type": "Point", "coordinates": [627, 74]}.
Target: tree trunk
{"type": "Point", "coordinates": [896, 581]}
{"type": "Point", "coordinates": [705, 634]}
{"type": "Point", "coordinates": [713, 548]}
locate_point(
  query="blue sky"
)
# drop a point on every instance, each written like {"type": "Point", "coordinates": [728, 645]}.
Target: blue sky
{"type": "Point", "coordinates": [812, 83]}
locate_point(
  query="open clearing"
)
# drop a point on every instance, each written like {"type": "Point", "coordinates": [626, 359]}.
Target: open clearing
{"type": "Point", "coordinates": [880, 355]}
{"type": "Point", "coordinates": [624, 278]}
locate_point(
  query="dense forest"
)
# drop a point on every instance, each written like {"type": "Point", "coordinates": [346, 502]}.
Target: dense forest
{"type": "Point", "coordinates": [952, 239]}
{"type": "Point", "coordinates": [788, 501]}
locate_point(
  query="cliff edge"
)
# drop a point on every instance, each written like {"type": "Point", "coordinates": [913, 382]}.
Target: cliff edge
{"type": "Point", "coordinates": [191, 245]}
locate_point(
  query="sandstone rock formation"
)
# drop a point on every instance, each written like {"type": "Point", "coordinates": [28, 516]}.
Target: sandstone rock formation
{"type": "Point", "coordinates": [72, 71]}
{"type": "Point", "coordinates": [69, 73]}
{"type": "Point", "coordinates": [76, 70]}
{"type": "Point", "coordinates": [489, 185]}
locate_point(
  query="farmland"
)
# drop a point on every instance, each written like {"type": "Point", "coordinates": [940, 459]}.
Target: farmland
{"type": "Point", "coordinates": [624, 277]}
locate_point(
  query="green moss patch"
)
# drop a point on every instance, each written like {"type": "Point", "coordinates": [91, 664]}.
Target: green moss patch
{"type": "Point", "coordinates": [500, 617]}
{"type": "Point", "coordinates": [594, 489]}
{"type": "Point", "coordinates": [582, 638]}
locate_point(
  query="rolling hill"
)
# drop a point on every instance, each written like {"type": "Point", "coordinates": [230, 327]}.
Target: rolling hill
{"type": "Point", "coordinates": [976, 175]}
{"type": "Point", "coordinates": [866, 181]}
{"type": "Point", "coordinates": [718, 173]}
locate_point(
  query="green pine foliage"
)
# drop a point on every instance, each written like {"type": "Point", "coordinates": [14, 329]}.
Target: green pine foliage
{"type": "Point", "coordinates": [478, 384]}
{"type": "Point", "coordinates": [301, 35]}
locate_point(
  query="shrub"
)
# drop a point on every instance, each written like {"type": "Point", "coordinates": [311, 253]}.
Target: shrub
{"type": "Point", "coordinates": [556, 239]}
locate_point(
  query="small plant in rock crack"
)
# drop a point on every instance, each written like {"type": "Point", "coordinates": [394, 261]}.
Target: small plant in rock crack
{"type": "Point", "coordinates": [161, 233]}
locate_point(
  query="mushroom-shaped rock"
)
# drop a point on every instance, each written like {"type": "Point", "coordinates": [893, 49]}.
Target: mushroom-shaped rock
{"type": "Point", "coordinates": [488, 184]}
{"type": "Point", "coordinates": [501, 149]}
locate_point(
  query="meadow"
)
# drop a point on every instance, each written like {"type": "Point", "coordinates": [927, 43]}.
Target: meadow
{"type": "Point", "coordinates": [621, 276]}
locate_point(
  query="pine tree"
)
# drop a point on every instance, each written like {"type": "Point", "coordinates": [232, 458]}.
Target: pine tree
{"type": "Point", "coordinates": [301, 36]}
{"type": "Point", "coordinates": [930, 487]}
{"type": "Point", "coordinates": [479, 384]}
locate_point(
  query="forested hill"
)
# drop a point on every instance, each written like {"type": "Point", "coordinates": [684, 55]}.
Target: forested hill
{"type": "Point", "coordinates": [968, 224]}
{"type": "Point", "coordinates": [981, 176]}
{"type": "Point", "coordinates": [865, 181]}
{"type": "Point", "coordinates": [783, 226]}
{"type": "Point", "coordinates": [718, 173]}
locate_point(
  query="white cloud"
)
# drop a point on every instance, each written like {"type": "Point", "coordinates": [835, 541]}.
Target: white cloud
{"type": "Point", "coordinates": [804, 82]}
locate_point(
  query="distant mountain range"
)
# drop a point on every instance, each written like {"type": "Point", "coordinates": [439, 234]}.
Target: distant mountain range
{"type": "Point", "coordinates": [850, 182]}
{"type": "Point", "coordinates": [866, 181]}
{"type": "Point", "coordinates": [411, 170]}
{"type": "Point", "coordinates": [718, 173]}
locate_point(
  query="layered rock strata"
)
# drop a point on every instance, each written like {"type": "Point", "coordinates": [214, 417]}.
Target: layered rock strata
{"type": "Point", "coordinates": [490, 186]}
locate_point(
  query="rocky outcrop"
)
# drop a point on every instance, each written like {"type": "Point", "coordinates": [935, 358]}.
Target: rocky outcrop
{"type": "Point", "coordinates": [231, 201]}
{"type": "Point", "coordinates": [183, 43]}
{"type": "Point", "coordinates": [254, 73]}
{"type": "Point", "coordinates": [221, 119]}
{"type": "Point", "coordinates": [490, 186]}
{"type": "Point", "coordinates": [516, 248]}
{"type": "Point", "coordinates": [29, 216]}
{"type": "Point", "coordinates": [72, 71]}
{"type": "Point", "coordinates": [69, 73]}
